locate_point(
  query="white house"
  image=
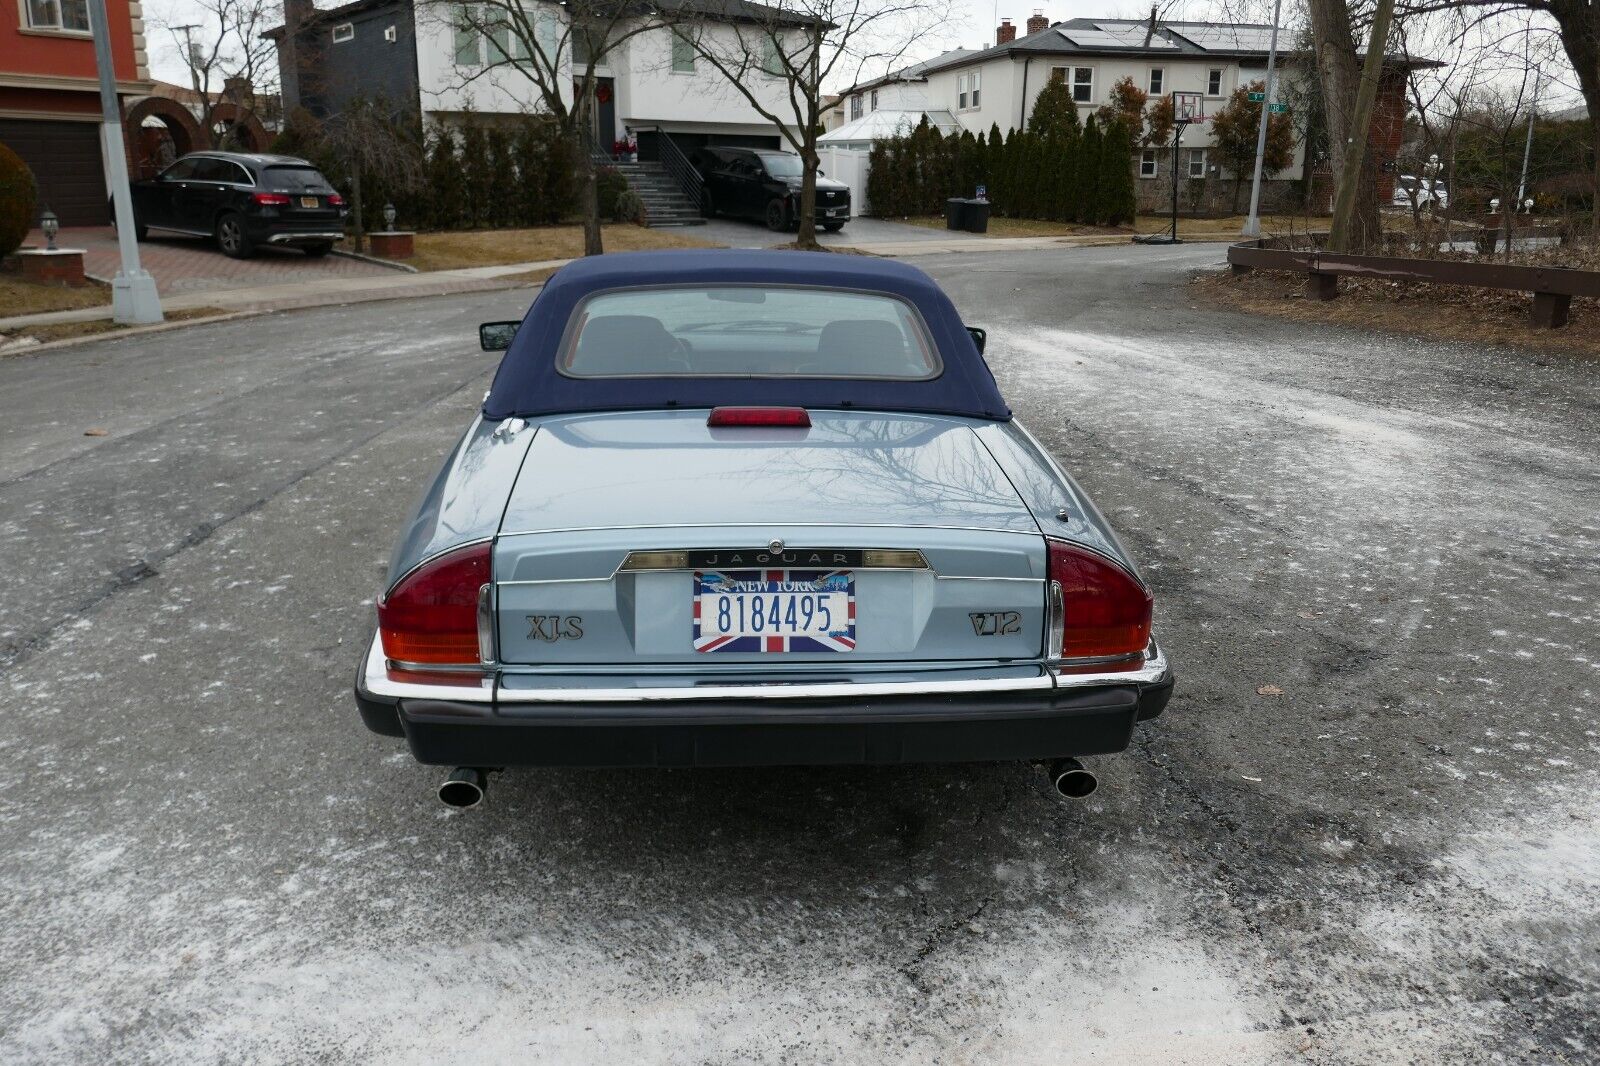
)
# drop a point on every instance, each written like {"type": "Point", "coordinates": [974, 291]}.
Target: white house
{"type": "Point", "coordinates": [997, 86]}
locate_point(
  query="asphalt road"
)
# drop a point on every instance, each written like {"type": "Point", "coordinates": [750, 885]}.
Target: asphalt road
{"type": "Point", "coordinates": [205, 858]}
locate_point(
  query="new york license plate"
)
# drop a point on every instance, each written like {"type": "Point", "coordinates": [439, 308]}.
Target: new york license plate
{"type": "Point", "coordinates": [309, 201]}
{"type": "Point", "coordinates": [774, 611]}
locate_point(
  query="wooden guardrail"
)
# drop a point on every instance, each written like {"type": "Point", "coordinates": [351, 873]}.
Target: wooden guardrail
{"type": "Point", "coordinates": [1553, 287]}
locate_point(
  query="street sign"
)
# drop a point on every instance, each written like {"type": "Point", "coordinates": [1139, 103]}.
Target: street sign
{"type": "Point", "coordinates": [1256, 98]}
{"type": "Point", "coordinates": [1278, 109]}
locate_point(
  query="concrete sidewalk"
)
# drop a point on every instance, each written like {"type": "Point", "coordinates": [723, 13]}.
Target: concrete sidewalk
{"type": "Point", "coordinates": [319, 293]}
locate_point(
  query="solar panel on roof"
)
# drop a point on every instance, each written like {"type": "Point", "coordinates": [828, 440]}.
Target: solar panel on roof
{"type": "Point", "coordinates": [1132, 34]}
{"type": "Point", "coordinates": [1224, 38]}
{"type": "Point", "coordinates": [1116, 37]}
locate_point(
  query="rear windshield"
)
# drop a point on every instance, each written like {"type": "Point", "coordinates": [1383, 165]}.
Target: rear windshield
{"type": "Point", "coordinates": [293, 176]}
{"type": "Point", "coordinates": [747, 331]}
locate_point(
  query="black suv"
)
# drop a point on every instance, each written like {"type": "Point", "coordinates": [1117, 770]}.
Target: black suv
{"type": "Point", "coordinates": [243, 201]}
{"type": "Point", "coordinates": [764, 184]}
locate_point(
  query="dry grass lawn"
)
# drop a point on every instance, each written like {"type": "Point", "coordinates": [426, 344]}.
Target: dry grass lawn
{"type": "Point", "coordinates": [472, 248]}
{"type": "Point", "coordinates": [18, 297]}
{"type": "Point", "coordinates": [1193, 228]}
{"type": "Point", "coordinates": [1440, 312]}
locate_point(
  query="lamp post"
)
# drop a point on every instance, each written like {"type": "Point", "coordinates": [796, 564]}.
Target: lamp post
{"type": "Point", "coordinates": [133, 290]}
{"type": "Point", "coordinates": [50, 225]}
{"type": "Point", "coordinates": [388, 217]}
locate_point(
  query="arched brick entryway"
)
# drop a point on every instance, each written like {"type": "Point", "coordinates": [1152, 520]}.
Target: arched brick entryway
{"type": "Point", "coordinates": [244, 131]}
{"type": "Point", "coordinates": [172, 133]}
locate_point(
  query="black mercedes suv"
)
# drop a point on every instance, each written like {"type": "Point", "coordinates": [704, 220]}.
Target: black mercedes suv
{"type": "Point", "coordinates": [764, 184]}
{"type": "Point", "coordinates": [243, 201]}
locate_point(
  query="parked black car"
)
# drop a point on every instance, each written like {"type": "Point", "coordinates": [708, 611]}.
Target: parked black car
{"type": "Point", "coordinates": [764, 184]}
{"type": "Point", "coordinates": [243, 201]}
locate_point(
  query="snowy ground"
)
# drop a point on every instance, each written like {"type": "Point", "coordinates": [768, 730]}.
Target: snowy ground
{"type": "Point", "coordinates": [203, 857]}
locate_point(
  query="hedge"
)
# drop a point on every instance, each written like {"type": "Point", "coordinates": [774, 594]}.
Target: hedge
{"type": "Point", "coordinates": [1055, 170]}
{"type": "Point", "coordinates": [18, 200]}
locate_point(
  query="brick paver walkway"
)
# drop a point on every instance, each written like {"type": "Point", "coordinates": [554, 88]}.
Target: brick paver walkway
{"type": "Point", "coordinates": [183, 265]}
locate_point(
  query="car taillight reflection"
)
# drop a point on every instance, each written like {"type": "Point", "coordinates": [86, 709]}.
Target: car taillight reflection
{"type": "Point", "coordinates": [1101, 613]}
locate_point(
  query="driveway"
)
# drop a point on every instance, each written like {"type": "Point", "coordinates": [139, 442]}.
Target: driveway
{"type": "Point", "coordinates": [737, 233]}
{"type": "Point", "coordinates": [1366, 830]}
{"type": "Point", "coordinates": [183, 265]}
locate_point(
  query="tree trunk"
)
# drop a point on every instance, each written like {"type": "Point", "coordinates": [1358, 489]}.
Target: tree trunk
{"type": "Point", "coordinates": [1339, 73]}
{"type": "Point", "coordinates": [1346, 234]}
{"type": "Point", "coordinates": [589, 184]}
{"type": "Point", "coordinates": [806, 236]}
{"type": "Point", "coordinates": [1580, 36]}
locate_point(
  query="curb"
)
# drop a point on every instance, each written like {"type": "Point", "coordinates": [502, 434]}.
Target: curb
{"type": "Point", "coordinates": [374, 260]}
{"type": "Point", "coordinates": [131, 331]}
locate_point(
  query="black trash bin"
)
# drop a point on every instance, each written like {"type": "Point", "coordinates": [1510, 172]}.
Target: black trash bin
{"type": "Point", "coordinates": [977, 216]}
{"type": "Point", "coordinates": [955, 213]}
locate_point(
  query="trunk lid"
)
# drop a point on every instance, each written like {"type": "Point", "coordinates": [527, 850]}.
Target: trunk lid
{"type": "Point", "coordinates": [596, 487]}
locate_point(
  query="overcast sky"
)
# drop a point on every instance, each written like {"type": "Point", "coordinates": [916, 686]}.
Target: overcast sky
{"type": "Point", "coordinates": [973, 28]}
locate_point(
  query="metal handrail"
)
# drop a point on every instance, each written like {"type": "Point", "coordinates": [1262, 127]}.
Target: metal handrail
{"type": "Point", "coordinates": [681, 170]}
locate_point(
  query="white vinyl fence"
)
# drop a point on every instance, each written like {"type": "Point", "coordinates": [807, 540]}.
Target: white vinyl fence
{"type": "Point", "coordinates": [848, 165]}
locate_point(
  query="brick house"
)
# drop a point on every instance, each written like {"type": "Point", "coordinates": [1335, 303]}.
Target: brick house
{"type": "Point", "coordinates": [50, 98]}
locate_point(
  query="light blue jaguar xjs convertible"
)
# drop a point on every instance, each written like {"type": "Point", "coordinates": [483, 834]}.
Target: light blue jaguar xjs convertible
{"type": "Point", "coordinates": [753, 508]}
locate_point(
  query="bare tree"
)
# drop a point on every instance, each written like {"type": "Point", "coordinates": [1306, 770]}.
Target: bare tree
{"type": "Point", "coordinates": [553, 49]}
{"type": "Point", "coordinates": [778, 56]}
{"type": "Point", "coordinates": [230, 61]}
{"type": "Point", "coordinates": [369, 144]}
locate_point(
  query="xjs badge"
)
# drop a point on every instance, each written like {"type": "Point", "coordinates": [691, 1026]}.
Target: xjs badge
{"type": "Point", "coordinates": [553, 627]}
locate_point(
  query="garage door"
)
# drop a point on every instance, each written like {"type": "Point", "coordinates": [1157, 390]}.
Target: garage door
{"type": "Point", "coordinates": [65, 159]}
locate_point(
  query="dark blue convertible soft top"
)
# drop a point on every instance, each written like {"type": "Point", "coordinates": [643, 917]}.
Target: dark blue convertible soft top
{"type": "Point", "coordinates": [528, 383]}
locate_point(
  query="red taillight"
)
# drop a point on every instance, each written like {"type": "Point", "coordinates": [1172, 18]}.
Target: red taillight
{"type": "Point", "coordinates": [759, 416]}
{"type": "Point", "coordinates": [335, 200]}
{"type": "Point", "coordinates": [271, 199]}
{"type": "Point", "coordinates": [1099, 610]}
{"type": "Point", "coordinates": [431, 616]}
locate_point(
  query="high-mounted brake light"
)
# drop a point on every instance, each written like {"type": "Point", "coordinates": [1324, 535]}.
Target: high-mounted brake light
{"type": "Point", "coordinates": [759, 416]}
{"type": "Point", "coordinates": [270, 199]}
{"type": "Point", "coordinates": [434, 615]}
{"type": "Point", "coordinates": [1099, 614]}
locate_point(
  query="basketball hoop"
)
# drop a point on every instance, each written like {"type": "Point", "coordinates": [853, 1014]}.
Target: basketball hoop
{"type": "Point", "coordinates": [1188, 107]}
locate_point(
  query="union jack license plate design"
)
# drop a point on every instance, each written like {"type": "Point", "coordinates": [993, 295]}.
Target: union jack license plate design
{"type": "Point", "coordinates": [774, 610]}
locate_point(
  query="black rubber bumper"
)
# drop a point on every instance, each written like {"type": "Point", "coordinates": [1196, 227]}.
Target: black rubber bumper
{"type": "Point", "coordinates": [777, 732]}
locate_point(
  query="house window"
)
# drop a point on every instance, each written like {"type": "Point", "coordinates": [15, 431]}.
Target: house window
{"type": "Point", "coordinates": [1214, 83]}
{"type": "Point", "coordinates": [1083, 85]}
{"type": "Point", "coordinates": [1147, 163]}
{"type": "Point", "coordinates": [855, 107]}
{"type": "Point", "coordinates": [874, 102]}
{"type": "Point", "coordinates": [580, 47]}
{"type": "Point", "coordinates": [1158, 77]}
{"type": "Point", "coordinates": [1197, 162]}
{"type": "Point", "coordinates": [70, 15]}
{"type": "Point", "coordinates": [682, 55]}
{"type": "Point", "coordinates": [771, 56]}
{"type": "Point", "coordinates": [343, 32]}
{"type": "Point", "coordinates": [969, 91]}
{"type": "Point", "coordinates": [465, 39]}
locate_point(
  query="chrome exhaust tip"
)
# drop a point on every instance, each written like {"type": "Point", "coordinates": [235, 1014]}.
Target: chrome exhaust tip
{"type": "Point", "coordinates": [464, 787]}
{"type": "Point", "coordinates": [1071, 779]}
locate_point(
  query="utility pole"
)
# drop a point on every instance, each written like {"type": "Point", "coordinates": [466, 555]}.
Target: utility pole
{"type": "Point", "coordinates": [1252, 224]}
{"type": "Point", "coordinates": [1355, 149]}
{"type": "Point", "coordinates": [133, 291]}
{"type": "Point", "coordinates": [1527, 147]}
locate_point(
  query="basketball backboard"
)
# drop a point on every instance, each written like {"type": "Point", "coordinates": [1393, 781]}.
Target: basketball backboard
{"type": "Point", "coordinates": [1188, 107]}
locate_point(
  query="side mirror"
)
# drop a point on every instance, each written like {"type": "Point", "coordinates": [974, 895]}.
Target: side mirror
{"type": "Point", "coordinates": [980, 337]}
{"type": "Point", "coordinates": [496, 336]}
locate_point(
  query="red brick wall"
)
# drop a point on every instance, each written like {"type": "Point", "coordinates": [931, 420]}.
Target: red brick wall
{"type": "Point", "coordinates": [23, 51]}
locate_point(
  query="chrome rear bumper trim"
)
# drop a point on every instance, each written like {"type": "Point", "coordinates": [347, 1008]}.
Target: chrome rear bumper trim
{"type": "Point", "coordinates": [375, 680]}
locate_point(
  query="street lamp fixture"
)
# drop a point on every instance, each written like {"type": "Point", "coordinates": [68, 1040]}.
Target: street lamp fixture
{"type": "Point", "coordinates": [51, 225]}
{"type": "Point", "coordinates": [388, 217]}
